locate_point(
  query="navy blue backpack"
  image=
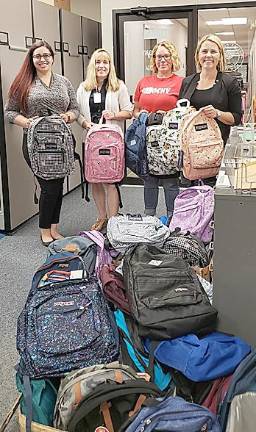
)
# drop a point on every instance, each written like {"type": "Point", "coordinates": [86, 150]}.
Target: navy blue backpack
{"type": "Point", "coordinates": [173, 414]}
{"type": "Point", "coordinates": [243, 384]}
{"type": "Point", "coordinates": [135, 146]}
{"type": "Point", "coordinates": [66, 322]}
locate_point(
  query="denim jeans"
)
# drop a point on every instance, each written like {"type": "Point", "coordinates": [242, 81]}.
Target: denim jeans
{"type": "Point", "coordinates": [151, 192]}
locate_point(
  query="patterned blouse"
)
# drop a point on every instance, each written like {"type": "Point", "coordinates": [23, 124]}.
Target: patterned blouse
{"type": "Point", "coordinates": [59, 98]}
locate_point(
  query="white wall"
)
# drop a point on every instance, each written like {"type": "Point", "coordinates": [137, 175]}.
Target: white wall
{"type": "Point", "coordinates": [107, 6]}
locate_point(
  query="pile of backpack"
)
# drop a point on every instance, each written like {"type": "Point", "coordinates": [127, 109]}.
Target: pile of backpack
{"type": "Point", "coordinates": [118, 332]}
{"type": "Point", "coordinates": [181, 139]}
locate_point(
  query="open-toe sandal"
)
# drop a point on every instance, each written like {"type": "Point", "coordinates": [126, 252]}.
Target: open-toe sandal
{"type": "Point", "coordinates": [99, 224]}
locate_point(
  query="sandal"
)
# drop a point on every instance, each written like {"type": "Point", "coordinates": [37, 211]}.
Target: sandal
{"type": "Point", "coordinates": [99, 224]}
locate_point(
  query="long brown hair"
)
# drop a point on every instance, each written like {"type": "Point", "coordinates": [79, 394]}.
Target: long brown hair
{"type": "Point", "coordinates": [26, 75]}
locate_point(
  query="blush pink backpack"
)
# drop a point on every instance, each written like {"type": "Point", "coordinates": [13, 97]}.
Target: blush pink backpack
{"type": "Point", "coordinates": [202, 146]}
{"type": "Point", "coordinates": [193, 212]}
{"type": "Point", "coordinates": [104, 154]}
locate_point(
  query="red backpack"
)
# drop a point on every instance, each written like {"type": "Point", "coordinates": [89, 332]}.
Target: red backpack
{"type": "Point", "coordinates": [217, 393]}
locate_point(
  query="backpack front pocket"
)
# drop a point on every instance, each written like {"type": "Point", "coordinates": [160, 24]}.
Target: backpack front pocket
{"type": "Point", "coordinates": [71, 322]}
{"type": "Point", "coordinates": [206, 155]}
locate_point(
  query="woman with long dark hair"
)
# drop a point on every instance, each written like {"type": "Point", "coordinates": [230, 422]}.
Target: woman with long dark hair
{"type": "Point", "coordinates": [35, 91]}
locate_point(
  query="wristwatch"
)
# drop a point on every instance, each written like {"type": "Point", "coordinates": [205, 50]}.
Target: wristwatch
{"type": "Point", "coordinates": [218, 114]}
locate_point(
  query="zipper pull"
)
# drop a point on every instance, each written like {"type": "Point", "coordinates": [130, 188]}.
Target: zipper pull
{"type": "Point", "coordinates": [83, 309]}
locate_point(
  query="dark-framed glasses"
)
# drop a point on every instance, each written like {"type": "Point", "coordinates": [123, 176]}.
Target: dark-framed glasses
{"type": "Point", "coordinates": [44, 56]}
{"type": "Point", "coordinates": [165, 57]}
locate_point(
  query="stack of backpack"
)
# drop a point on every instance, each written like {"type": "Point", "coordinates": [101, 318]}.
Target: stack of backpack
{"type": "Point", "coordinates": [131, 346]}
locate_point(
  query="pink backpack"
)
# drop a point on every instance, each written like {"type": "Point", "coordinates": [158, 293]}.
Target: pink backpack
{"type": "Point", "coordinates": [193, 211]}
{"type": "Point", "coordinates": [202, 146]}
{"type": "Point", "coordinates": [104, 154]}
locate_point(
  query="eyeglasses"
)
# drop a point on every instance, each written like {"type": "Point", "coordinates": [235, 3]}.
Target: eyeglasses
{"type": "Point", "coordinates": [165, 57]}
{"type": "Point", "coordinates": [45, 56]}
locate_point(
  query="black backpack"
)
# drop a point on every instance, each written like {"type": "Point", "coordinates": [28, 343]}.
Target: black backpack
{"type": "Point", "coordinates": [165, 296]}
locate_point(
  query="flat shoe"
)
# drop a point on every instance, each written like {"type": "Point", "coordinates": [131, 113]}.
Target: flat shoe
{"type": "Point", "coordinates": [46, 243]}
{"type": "Point", "coordinates": [99, 224]}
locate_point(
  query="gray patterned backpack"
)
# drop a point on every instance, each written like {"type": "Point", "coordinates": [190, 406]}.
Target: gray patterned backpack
{"type": "Point", "coordinates": [106, 394]}
{"type": "Point", "coordinates": [50, 147]}
{"type": "Point", "coordinates": [163, 141]}
{"type": "Point", "coordinates": [125, 230]}
{"type": "Point", "coordinates": [188, 247]}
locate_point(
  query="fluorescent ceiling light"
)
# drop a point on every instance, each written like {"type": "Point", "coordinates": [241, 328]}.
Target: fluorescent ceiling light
{"type": "Point", "coordinates": [224, 33]}
{"type": "Point", "coordinates": [164, 21]}
{"type": "Point", "coordinates": [227, 21]}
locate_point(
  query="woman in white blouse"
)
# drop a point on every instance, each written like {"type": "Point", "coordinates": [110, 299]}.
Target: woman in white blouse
{"type": "Point", "coordinates": [103, 95]}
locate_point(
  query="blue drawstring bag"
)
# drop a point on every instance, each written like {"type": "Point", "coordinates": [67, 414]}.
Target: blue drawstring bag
{"type": "Point", "coordinates": [210, 357]}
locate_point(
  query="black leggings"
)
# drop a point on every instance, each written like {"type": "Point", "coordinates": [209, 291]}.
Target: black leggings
{"type": "Point", "coordinates": [51, 195]}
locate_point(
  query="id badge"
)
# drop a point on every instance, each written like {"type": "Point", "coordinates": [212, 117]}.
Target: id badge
{"type": "Point", "coordinates": [97, 97]}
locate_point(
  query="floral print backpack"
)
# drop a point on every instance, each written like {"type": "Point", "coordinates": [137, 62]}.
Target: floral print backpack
{"type": "Point", "coordinates": [163, 141]}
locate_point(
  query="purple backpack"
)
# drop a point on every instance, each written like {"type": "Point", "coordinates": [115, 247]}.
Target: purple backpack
{"type": "Point", "coordinates": [193, 211]}
{"type": "Point", "coordinates": [103, 255]}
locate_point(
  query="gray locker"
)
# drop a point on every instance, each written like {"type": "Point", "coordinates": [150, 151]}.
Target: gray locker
{"type": "Point", "coordinates": [18, 28]}
{"type": "Point", "coordinates": [44, 13]}
{"type": "Point", "coordinates": [91, 39]}
{"type": "Point", "coordinates": [73, 70]}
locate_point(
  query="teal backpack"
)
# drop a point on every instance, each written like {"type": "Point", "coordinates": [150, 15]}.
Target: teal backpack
{"type": "Point", "coordinates": [134, 354]}
{"type": "Point", "coordinates": [44, 395]}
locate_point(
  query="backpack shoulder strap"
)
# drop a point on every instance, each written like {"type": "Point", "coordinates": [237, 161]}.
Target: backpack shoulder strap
{"type": "Point", "coordinates": [99, 240]}
{"type": "Point", "coordinates": [143, 118]}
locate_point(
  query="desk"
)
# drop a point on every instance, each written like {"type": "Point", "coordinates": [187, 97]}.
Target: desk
{"type": "Point", "coordinates": [235, 263]}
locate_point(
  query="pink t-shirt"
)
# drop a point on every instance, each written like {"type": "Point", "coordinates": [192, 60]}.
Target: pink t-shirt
{"type": "Point", "coordinates": [153, 93]}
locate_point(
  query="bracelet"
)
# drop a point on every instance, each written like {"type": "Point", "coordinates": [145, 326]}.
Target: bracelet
{"type": "Point", "coordinates": [218, 114]}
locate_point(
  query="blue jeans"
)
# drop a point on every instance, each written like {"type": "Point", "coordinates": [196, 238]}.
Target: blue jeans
{"type": "Point", "coordinates": [151, 192]}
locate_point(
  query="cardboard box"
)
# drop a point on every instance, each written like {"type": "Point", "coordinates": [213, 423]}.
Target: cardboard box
{"type": "Point", "coordinates": [62, 4]}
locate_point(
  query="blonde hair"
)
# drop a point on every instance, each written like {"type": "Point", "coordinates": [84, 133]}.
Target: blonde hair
{"type": "Point", "coordinates": [173, 53]}
{"type": "Point", "coordinates": [215, 39]}
{"type": "Point", "coordinates": [90, 83]}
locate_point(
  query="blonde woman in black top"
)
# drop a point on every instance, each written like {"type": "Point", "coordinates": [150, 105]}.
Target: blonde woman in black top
{"type": "Point", "coordinates": [217, 92]}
